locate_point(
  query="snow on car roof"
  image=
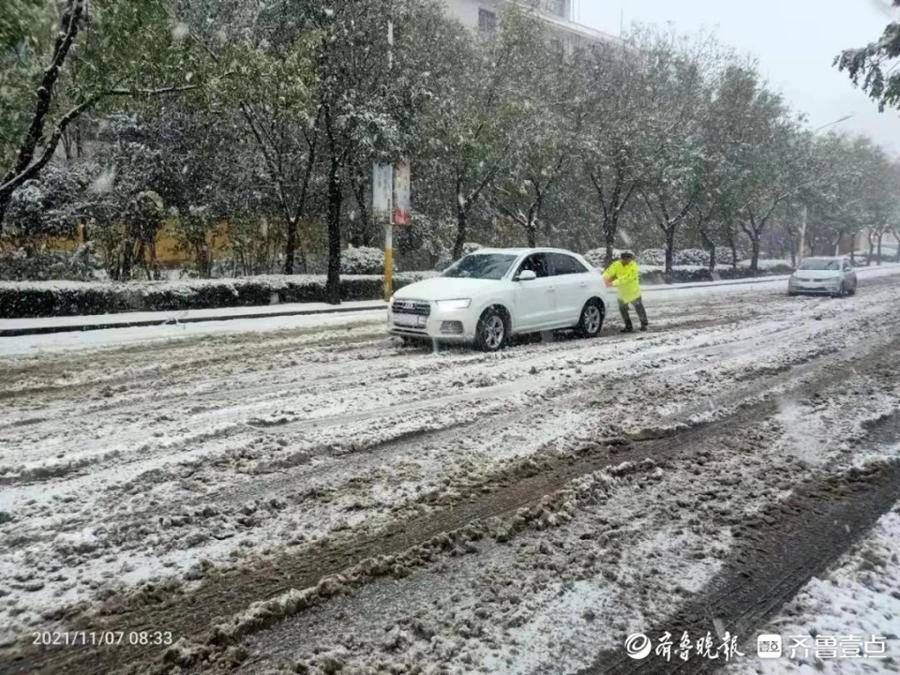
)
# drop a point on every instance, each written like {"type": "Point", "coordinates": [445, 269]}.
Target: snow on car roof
{"type": "Point", "coordinates": [521, 251]}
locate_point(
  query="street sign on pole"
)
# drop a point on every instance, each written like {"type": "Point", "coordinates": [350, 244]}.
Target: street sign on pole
{"type": "Point", "coordinates": [402, 199]}
{"type": "Point", "coordinates": [392, 205]}
{"type": "Point", "coordinates": [382, 191]}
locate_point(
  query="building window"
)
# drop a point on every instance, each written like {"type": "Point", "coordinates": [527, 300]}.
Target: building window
{"type": "Point", "coordinates": [558, 49]}
{"type": "Point", "coordinates": [556, 7]}
{"type": "Point", "coordinates": [487, 21]}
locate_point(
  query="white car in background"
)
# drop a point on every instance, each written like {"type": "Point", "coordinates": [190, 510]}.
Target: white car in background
{"type": "Point", "coordinates": [490, 295]}
{"type": "Point", "coordinates": [824, 276]}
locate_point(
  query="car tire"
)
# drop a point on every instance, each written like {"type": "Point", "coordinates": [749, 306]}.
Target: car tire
{"type": "Point", "coordinates": [792, 294]}
{"type": "Point", "coordinates": [492, 331]}
{"type": "Point", "coordinates": [592, 317]}
{"type": "Point", "coordinates": [852, 291]}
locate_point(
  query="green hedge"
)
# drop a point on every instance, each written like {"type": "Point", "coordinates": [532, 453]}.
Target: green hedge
{"type": "Point", "coordinates": [51, 298]}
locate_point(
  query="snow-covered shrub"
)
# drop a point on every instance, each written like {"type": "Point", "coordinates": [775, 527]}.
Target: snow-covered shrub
{"type": "Point", "coordinates": [724, 256]}
{"type": "Point", "coordinates": [42, 265]}
{"type": "Point", "coordinates": [362, 260]}
{"type": "Point", "coordinates": [56, 298]}
{"type": "Point", "coordinates": [770, 265]}
{"type": "Point", "coordinates": [652, 256]}
{"type": "Point", "coordinates": [597, 256]}
{"type": "Point", "coordinates": [692, 256]}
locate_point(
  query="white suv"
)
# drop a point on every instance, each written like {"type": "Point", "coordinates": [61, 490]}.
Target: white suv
{"type": "Point", "coordinates": [492, 294]}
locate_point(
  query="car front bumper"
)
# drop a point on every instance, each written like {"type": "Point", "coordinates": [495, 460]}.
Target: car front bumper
{"type": "Point", "coordinates": [441, 324]}
{"type": "Point", "coordinates": [814, 287]}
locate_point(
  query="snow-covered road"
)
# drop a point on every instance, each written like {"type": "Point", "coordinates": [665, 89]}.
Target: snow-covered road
{"type": "Point", "coordinates": [518, 512]}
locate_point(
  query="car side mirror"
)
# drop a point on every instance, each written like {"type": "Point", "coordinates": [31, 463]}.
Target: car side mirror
{"type": "Point", "coordinates": [526, 275]}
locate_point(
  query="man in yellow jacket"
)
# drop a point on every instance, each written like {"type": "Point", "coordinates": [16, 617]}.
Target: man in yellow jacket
{"type": "Point", "coordinates": [625, 276]}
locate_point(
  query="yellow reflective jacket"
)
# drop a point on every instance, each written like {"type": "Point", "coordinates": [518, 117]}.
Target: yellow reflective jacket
{"type": "Point", "coordinates": [626, 279]}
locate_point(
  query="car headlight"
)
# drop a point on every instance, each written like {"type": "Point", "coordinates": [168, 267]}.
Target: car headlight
{"type": "Point", "coordinates": [461, 303]}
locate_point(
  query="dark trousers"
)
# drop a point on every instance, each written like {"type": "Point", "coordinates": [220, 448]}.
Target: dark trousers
{"type": "Point", "coordinates": [638, 307]}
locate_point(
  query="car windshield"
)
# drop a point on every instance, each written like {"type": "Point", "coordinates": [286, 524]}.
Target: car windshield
{"type": "Point", "coordinates": [820, 264]}
{"type": "Point", "coordinates": [481, 266]}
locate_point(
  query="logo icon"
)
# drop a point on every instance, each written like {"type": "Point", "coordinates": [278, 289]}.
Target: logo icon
{"type": "Point", "coordinates": [768, 646]}
{"type": "Point", "coordinates": [638, 646]}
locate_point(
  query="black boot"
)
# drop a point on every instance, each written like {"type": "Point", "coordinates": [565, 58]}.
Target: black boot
{"type": "Point", "coordinates": [627, 329]}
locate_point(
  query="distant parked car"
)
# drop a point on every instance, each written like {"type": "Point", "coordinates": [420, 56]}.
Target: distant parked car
{"type": "Point", "coordinates": [493, 294]}
{"type": "Point", "coordinates": [823, 276]}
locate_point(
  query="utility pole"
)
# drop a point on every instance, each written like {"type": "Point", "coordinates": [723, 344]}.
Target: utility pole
{"type": "Point", "coordinates": [804, 215]}
{"type": "Point", "coordinates": [388, 226]}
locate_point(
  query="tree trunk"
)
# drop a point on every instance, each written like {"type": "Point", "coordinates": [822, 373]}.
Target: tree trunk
{"type": "Point", "coordinates": [532, 233]}
{"type": "Point", "coordinates": [70, 22]}
{"type": "Point", "coordinates": [4, 202]}
{"type": "Point", "coordinates": [610, 227]}
{"type": "Point", "coordinates": [670, 252]}
{"type": "Point", "coordinates": [754, 254]}
{"type": "Point", "coordinates": [461, 232]}
{"type": "Point", "coordinates": [201, 256]}
{"type": "Point", "coordinates": [154, 261]}
{"type": "Point", "coordinates": [335, 198]}
{"type": "Point", "coordinates": [710, 248]}
{"type": "Point", "coordinates": [363, 234]}
{"type": "Point", "coordinates": [290, 245]}
{"type": "Point", "coordinates": [304, 263]}
{"type": "Point", "coordinates": [880, 238]}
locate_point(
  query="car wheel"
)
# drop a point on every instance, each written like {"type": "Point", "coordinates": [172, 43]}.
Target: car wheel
{"type": "Point", "coordinates": [792, 294]}
{"type": "Point", "coordinates": [852, 291]}
{"type": "Point", "coordinates": [592, 317]}
{"type": "Point", "coordinates": [491, 333]}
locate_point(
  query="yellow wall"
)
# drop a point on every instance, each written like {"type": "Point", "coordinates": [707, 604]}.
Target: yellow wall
{"type": "Point", "coordinates": [168, 253]}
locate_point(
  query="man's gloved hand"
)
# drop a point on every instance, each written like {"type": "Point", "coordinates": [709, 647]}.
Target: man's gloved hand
{"type": "Point", "coordinates": [607, 282]}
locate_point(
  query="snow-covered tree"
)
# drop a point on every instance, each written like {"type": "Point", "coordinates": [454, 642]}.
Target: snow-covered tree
{"type": "Point", "coordinates": [613, 143]}
{"type": "Point", "coordinates": [481, 116]}
{"type": "Point", "coordinates": [102, 51]}
{"type": "Point", "coordinates": [873, 68]}
{"type": "Point", "coordinates": [673, 171]}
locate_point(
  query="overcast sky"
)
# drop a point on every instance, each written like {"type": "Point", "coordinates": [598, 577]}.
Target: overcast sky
{"type": "Point", "coordinates": [794, 40]}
